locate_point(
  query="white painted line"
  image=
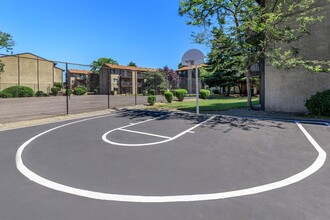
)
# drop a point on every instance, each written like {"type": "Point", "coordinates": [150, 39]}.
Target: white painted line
{"type": "Point", "coordinates": [144, 133]}
{"type": "Point", "coordinates": [192, 132]}
{"type": "Point", "coordinates": [318, 163]}
{"type": "Point", "coordinates": [105, 139]}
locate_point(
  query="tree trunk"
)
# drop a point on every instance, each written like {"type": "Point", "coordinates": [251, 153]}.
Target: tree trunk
{"type": "Point", "coordinates": [228, 90]}
{"type": "Point", "coordinates": [248, 89]}
{"type": "Point", "coordinates": [240, 90]}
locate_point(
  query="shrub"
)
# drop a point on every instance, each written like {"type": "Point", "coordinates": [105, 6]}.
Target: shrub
{"type": "Point", "coordinates": [168, 96]}
{"type": "Point", "coordinates": [145, 92]}
{"type": "Point", "coordinates": [180, 94]}
{"type": "Point", "coordinates": [55, 90]}
{"type": "Point", "coordinates": [204, 93]}
{"type": "Point", "coordinates": [6, 95]}
{"type": "Point", "coordinates": [18, 91]}
{"type": "Point", "coordinates": [79, 91]}
{"type": "Point", "coordinates": [151, 99]}
{"type": "Point", "coordinates": [112, 92]}
{"type": "Point", "coordinates": [40, 94]}
{"type": "Point", "coordinates": [162, 91]}
{"type": "Point", "coordinates": [152, 92]}
{"type": "Point", "coordinates": [58, 85]}
{"type": "Point", "coordinates": [82, 87]}
{"type": "Point", "coordinates": [319, 104]}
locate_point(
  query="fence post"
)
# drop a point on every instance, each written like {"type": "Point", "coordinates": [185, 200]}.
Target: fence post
{"type": "Point", "coordinates": [136, 85]}
{"type": "Point", "coordinates": [67, 88]}
{"type": "Point", "coordinates": [108, 85]}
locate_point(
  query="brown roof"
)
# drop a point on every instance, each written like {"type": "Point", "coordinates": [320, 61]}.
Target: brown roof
{"type": "Point", "coordinates": [191, 67]}
{"type": "Point", "coordinates": [83, 72]}
{"type": "Point", "coordinates": [132, 68]}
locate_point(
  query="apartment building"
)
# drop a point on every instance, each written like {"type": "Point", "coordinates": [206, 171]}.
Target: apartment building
{"type": "Point", "coordinates": [187, 78]}
{"type": "Point", "coordinates": [122, 79]}
{"type": "Point", "coordinates": [79, 77]}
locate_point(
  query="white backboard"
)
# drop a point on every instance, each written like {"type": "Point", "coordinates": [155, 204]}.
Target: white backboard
{"type": "Point", "coordinates": [192, 57]}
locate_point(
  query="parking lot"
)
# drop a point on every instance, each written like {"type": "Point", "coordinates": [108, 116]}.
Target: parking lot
{"type": "Point", "coordinates": [160, 165]}
{"type": "Point", "coordinates": [19, 109]}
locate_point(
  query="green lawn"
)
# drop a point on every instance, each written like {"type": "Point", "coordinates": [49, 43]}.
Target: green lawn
{"type": "Point", "coordinates": [215, 104]}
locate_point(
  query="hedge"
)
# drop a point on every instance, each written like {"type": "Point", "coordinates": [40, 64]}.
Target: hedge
{"type": "Point", "coordinates": [6, 95]}
{"type": "Point", "coordinates": [17, 91]}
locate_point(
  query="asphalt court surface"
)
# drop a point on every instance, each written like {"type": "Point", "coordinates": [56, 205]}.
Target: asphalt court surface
{"type": "Point", "coordinates": [200, 155]}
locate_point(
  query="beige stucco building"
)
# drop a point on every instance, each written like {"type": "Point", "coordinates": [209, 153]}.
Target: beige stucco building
{"type": "Point", "coordinates": [287, 90]}
{"type": "Point", "coordinates": [122, 79]}
{"type": "Point", "coordinates": [30, 70]}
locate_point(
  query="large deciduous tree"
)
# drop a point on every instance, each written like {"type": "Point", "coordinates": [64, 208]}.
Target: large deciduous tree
{"type": "Point", "coordinates": [6, 42]}
{"type": "Point", "coordinates": [96, 65]}
{"type": "Point", "coordinates": [155, 80]}
{"type": "Point", "coordinates": [132, 64]}
{"type": "Point", "coordinates": [247, 31]}
{"type": "Point", "coordinates": [222, 68]}
{"type": "Point", "coordinates": [171, 78]}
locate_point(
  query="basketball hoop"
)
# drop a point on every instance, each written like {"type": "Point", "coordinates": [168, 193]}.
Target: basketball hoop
{"type": "Point", "coordinates": [194, 57]}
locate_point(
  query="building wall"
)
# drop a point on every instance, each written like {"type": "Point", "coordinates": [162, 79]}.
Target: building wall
{"type": "Point", "coordinates": [187, 80]}
{"type": "Point", "coordinates": [287, 90]}
{"type": "Point", "coordinates": [103, 81]}
{"type": "Point", "coordinates": [58, 75]}
{"type": "Point", "coordinates": [10, 75]}
{"type": "Point", "coordinates": [29, 70]}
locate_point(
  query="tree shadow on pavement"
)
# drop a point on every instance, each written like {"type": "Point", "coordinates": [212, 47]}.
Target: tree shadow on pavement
{"type": "Point", "coordinates": [217, 123]}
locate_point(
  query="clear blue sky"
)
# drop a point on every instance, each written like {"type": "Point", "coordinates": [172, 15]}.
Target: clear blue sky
{"type": "Point", "coordinates": [147, 32]}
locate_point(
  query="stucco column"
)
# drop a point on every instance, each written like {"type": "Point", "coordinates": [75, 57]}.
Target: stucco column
{"type": "Point", "coordinates": [38, 75]}
{"type": "Point", "coordinates": [18, 71]}
{"type": "Point", "coordinates": [134, 79]}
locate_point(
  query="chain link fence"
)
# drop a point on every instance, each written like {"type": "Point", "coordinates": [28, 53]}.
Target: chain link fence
{"type": "Point", "coordinates": [60, 88]}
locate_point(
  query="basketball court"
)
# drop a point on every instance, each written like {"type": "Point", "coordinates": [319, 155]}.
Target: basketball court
{"type": "Point", "coordinates": [161, 165]}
